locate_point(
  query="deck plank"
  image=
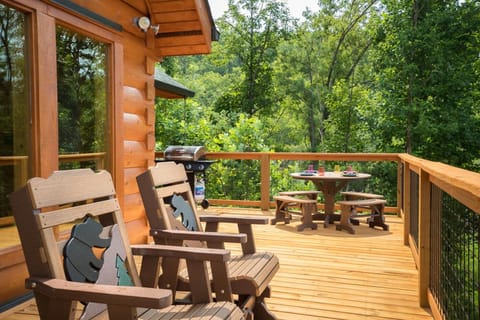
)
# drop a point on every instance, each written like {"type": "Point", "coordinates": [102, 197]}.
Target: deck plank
{"type": "Point", "coordinates": [328, 274]}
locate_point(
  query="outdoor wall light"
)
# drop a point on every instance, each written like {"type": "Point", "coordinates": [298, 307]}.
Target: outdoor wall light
{"type": "Point", "coordinates": [144, 24]}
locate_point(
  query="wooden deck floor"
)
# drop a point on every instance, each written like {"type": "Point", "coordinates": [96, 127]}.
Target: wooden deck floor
{"type": "Point", "coordinates": [328, 274]}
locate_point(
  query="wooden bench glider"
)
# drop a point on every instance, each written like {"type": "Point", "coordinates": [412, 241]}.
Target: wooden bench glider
{"type": "Point", "coordinates": [305, 201]}
{"type": "Point", "coordinates": [96, 253]}
{"type": "Point", "coordinates": [173, 219]}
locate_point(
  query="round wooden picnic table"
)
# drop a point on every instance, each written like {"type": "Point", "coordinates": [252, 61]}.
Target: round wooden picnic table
{"type": "Point", "coordinates": [330, 183]}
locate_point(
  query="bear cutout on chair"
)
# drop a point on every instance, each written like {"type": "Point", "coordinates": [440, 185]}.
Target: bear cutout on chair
{"type": "Point", "coordinates": [82, 265]}
{"type": "Point", "coordinates": [185, 211]}
{"type": "Point", "coordinates": [80, 262]}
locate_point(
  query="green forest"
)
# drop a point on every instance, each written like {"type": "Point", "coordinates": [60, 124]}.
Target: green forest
{"type": "Point", "coordinates": [354, 76]}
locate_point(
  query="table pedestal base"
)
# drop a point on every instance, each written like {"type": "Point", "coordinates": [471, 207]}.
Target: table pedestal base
{"type": "Point", "coordinates": [283, 213]}
{"type": "Point", "coordinates": [326, 218]}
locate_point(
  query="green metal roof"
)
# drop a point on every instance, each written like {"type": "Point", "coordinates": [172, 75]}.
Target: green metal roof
{"type": "Point", "coordinates": [170, 86]}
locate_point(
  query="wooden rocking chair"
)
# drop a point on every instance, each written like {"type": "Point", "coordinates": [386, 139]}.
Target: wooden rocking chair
{"type": "Point", "coordinates": [171, 211]}
{"type": "Point", "coordinates": [76, 248]}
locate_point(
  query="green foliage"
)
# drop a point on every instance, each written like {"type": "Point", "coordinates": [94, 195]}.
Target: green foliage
{"type": "Point", "coordinates": [13, 84]}
{"type": "Point", "coordinates": [251, 32]}
{"type": "Point", "coordinates": [355, 76]}
{"type": "Point", "coordinates": [82, 101]}
{"type": "Point", "coordinates": [14, 100]}
{"type": "Point", "coordinates": [299, 89]}
{"type": "Point", "coordinates": [427, 69]}
{"type": "Point", "coordinates": [247, 136]}
{"type": "Point", "coordinates": [330, 46]}
{"type": "Point", "coordinates": [347, 126]}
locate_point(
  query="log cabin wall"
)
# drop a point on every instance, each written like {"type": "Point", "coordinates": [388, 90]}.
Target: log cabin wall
{"type": "Point", "coordinates": [133, 54]}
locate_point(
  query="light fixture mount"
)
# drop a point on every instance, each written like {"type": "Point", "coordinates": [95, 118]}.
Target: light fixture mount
{"type": "Point", "coordinates": [155, 29]}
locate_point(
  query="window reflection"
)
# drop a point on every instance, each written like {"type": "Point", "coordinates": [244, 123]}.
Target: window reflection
{"type": "Point", "coordinates": [14, 110]}
{"type": "Point", "coordinates": [82, 100]}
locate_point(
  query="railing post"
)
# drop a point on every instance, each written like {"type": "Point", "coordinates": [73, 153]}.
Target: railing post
{"type": "Point", "coordinates": [265, 181]}
{"type": "Point", "coordinates": [424, 203]}
{"type": "Point", "coordinates": [406, 204]}
{"type": "Point", "coordinates": [399, 188]}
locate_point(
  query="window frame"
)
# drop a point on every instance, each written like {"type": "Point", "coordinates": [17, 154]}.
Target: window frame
{"type": "Point", "coordinates": [114, 65]}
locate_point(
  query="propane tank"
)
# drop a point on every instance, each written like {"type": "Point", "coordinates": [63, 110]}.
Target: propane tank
{"type": "Point", "coordinates": [199, 190]}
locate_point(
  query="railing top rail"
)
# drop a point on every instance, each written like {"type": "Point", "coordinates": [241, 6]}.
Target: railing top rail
{"type": "Point", "coordinates": [302, 156]}
{"type": "Point", "coordinates": [9, 158]}
{"type": "Point", "coordinates": [463, 184]}
{"type": "Point", "coordinates": [75, 156]}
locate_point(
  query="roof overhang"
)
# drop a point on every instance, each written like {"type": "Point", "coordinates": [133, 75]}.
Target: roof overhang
{"type": "Point", "coordinates": [169, 88]}
{"type": "Point", "coordinates": [186, 26]}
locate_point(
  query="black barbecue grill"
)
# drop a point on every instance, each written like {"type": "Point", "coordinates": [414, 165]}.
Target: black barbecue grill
{"type": "Point", "coordinates": [193, 159]}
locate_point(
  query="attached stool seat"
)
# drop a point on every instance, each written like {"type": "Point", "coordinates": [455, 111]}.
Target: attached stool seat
{"type": "Point", "coordinates": [305, 201]}
{"type": "Point", "coordinates": [353, 200]}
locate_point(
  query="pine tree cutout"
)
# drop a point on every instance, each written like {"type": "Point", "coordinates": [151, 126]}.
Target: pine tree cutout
{"type": "Point", "coordinates": [122, 273]}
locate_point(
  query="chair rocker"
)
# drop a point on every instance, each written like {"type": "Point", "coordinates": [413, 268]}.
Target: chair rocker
{"type": "Point", "coordinates": [171, 211]}
{"type": "Point", "coordinates": [76, 248]}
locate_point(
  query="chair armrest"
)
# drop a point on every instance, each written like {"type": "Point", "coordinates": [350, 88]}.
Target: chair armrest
{"type": "Point", "coordinates": [244, 224]}
{"type": "Point", "coordinates": [214, 239]}
{"type": "Point", "coordinates": [188, 253]}
{"type": "Point", "coordinates": [101, 293]}
{"type": "Point", "coordinates": [196, 259]}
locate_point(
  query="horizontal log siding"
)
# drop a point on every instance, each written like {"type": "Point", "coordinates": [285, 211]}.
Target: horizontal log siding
{"type": "Point", "coordinates": [134, 100]}
{"type": "Point", "coordinates": [138, 151]}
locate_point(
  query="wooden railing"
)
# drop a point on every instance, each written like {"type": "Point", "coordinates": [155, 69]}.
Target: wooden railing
{"type": "Point", "coordinates": [422, 186]}
{"type": "Point", "coordinates": [98, 158]}
{"type": "Point", "coordinates": [441, 207]}
{"type": "Point", "coordinates": [265, 159]}
{"type": "Point", "coordinates": [22, 161]}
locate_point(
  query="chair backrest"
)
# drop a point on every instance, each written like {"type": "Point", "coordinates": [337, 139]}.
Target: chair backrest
{"type": "Point", "coordinates": [71, 227]}
{"type": "Point", "coordinates": [168, 198]}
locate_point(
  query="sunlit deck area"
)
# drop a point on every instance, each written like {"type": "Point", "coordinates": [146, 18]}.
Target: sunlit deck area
{"type": "Point", "coordinates": [329, 274]}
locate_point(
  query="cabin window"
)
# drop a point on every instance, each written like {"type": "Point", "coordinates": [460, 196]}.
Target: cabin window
{"type": "Point", "coordinates": [15, 118]}
{"type": "Point", "coordinates": [82, 78]}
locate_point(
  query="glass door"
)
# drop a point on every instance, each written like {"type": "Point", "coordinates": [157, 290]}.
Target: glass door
{"type": "Point", "coordinates": [15, 117]}
{"type": "Point", "coordinates": [30, 144]}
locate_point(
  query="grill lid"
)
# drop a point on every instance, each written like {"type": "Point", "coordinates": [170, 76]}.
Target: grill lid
{"type": "Point", "coordinates": [185, 153]}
